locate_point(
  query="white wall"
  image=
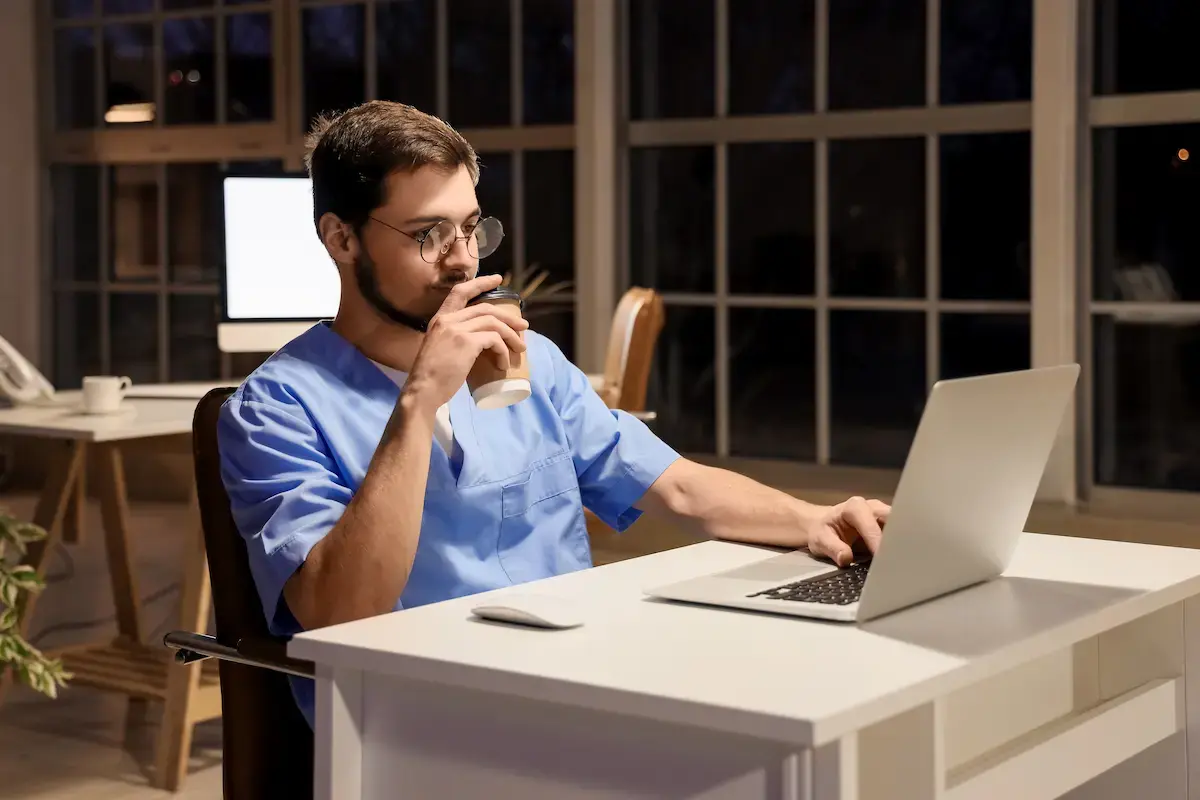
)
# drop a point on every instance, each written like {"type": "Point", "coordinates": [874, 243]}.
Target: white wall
{"type": "Point", "coordinates": [20, 195]}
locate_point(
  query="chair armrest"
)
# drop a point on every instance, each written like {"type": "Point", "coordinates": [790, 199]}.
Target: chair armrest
{"type": "Point", "coordinates": [262, 653]}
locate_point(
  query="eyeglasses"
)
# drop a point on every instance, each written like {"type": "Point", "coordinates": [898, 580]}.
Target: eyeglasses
{"type": "Point", "coordinates": [483, 238]}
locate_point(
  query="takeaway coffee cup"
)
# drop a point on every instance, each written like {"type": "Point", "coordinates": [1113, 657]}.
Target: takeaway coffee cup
{"type": "Point", "coordinates": [492, 387]}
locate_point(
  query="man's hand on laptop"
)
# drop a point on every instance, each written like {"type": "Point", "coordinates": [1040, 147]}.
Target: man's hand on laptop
{"type": "Point", "coordinates": [849, 528]}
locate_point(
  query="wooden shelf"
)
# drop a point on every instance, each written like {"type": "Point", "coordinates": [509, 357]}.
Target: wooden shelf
{"type": "Point", "coordinates": [128, 667]}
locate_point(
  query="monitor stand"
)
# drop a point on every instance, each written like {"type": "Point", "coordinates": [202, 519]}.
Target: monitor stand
{"type": "Point", "coordinates": [258, 337]}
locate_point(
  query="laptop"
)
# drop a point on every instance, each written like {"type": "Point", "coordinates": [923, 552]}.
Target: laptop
{"type": "Point", "coordinates": [961, 505]}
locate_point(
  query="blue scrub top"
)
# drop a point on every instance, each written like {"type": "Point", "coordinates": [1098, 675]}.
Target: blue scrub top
{"type": "Point", "coordinates": [505, 507]}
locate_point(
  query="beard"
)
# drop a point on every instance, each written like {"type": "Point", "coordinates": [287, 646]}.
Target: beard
{"type": "Point", "coordinates": [366, 275]}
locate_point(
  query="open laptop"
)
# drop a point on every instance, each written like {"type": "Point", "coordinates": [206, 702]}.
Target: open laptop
{"type": "Point", "coordinates": [969, 481]}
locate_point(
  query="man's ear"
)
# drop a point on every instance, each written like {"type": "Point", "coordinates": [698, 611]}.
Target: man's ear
{"type": "Point", "coordinates": [339, 239]}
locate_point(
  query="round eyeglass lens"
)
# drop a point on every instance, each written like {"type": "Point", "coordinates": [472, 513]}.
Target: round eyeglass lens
{"type": "Point", "coordinates": [438, 241]}
{"type": "Point", "coordinates": [486, 237]}
{"type": "Point", "coordinates": [482, 239]}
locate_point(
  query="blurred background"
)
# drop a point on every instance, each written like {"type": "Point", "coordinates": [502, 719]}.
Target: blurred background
{"type": "Point", "coordinates": [835, 198]}
{"type": "Point", "coordinates": [840, 202]}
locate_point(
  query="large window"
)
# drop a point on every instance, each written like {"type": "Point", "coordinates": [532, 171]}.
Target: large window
{"type": "Point", "coordinates": [833, 235]}
{"type": "Point", "coordinates": [137, 251]}
{"type": "Point", "coordinates": [169, 63]}
{"type": "Point", "coordinates": [157, 100]}
{"type": "Point", "coordinates": [1144, 331]}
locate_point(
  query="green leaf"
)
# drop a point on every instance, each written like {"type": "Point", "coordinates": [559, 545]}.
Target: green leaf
{"type": "Point", "coordinates": [26, 578]}
{"type": "Point", "coordinates": [8, 618]}
{"type": "Point", "coordinates": [29, 532]}
{"type": "Point", "coordinates": [8, 592]}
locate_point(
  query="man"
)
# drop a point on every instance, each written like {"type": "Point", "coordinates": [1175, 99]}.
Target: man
{"type": "Point", "coordinates": [362, 475]}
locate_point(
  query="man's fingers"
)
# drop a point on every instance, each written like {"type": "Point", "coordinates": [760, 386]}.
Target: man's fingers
{"type": "Point", "coordinates": [493, 342]}
{"type": "Point", "coordinates": [466, 291]}
{"type": "Point", "coordinates": [862, 518]}
{"type": "Point", "coordinates": [509, 314]}
{"type": "Point", "coordinates": [487, 322]}
{"type": "Point", "coordinates": [832, 547]}
{"type": "Point", "coordinates": [880, 509]}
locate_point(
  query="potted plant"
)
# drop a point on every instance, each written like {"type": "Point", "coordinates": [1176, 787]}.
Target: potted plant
{"type": "Point", "coordinates": [17, 582]}
{"type": "Point", "coordinates": [529, 283]}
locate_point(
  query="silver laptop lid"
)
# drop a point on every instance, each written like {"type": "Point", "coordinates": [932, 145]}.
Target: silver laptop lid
{"type": "Point", "coordinates": [968, 484]}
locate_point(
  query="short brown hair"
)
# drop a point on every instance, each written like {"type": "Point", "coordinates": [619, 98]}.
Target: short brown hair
{"type": "Point", "coordinates": [351, 154]}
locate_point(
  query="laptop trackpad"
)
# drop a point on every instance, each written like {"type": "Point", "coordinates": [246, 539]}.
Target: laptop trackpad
{"type": "Point", "coordinates": [779, 568]}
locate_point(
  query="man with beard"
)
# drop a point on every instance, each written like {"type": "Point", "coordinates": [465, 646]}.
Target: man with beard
{"type": "Point", "coordinates": [363, 476]}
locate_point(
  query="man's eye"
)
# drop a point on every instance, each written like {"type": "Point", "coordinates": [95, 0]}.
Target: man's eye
{"type": "Point", "coordinates": [420, 235]}
{"type": "Point", "coordinates": [470, 226]}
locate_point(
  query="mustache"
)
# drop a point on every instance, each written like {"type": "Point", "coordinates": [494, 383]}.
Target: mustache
{"type": "Point", "coordinates": [448, 280]}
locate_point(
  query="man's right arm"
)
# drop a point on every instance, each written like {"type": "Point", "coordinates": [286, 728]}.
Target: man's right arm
{"type": "Point", "coordinates": [334, 554]}
{"type": "Point", "coordinates": [361, 566]}
{"type": "Point", "coordinates": [320, 551]}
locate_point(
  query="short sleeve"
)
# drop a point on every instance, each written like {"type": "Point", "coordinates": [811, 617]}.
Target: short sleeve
{"type": "Point", "coordinates": [284, 491]}
{"type": "Point", "coordinates": [617, 458]}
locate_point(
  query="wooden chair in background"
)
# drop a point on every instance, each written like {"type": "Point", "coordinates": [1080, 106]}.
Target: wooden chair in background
{"type": "Point", "coordinates": [636, 325]}
{"type": "Point", "coordinates": [632, 339]}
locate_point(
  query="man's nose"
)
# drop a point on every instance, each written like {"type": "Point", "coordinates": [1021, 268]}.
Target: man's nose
{"type": "Point", "coordinates": [459, 256]}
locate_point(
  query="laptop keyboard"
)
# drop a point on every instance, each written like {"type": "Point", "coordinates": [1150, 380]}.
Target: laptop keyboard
{"type": "Point", "coordinates": [839, 588]}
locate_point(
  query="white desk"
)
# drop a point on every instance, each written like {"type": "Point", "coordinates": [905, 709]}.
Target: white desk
{"type": "Point", "coordinates": [191, 390]}
{"type": "Point", "coordinates": [138, 419]}
{"type": "Point", "coordinates": [1020, 689]}
{"type": "Point", "coordinates": [126, 665]}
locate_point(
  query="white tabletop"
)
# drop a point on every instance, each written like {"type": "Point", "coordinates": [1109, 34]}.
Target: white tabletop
{"type": "Point", "coordinates": [137, 419]}
{"type": "Point", "coordinates": [776, 677]}
{"type": "Point", "coordinates": [188, 390]}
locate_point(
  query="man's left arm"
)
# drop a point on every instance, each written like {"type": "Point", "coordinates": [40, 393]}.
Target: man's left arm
{"type": "Point", "coordinates": [721, 504]}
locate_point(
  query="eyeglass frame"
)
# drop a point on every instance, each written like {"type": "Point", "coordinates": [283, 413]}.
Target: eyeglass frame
{"type": "Point", "coordinates": [420, 238]}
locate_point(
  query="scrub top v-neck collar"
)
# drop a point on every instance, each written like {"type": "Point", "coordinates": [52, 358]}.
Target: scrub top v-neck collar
{"type": "Point", "coordinates": [471, 468]}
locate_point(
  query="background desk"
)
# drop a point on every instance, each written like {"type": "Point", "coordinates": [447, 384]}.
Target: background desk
{"type": "Point", "coordinates": [128, 664]}
{"type": "Point", "coordinates": [1026, 687]}
{"type": "Point", "coordinates": [194, 390]}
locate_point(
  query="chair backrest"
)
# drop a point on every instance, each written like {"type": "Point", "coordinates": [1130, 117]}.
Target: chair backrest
{"type": "Point", "coordinates": [268, 746]}
{"type": "Point", "coordinates": [636, 324]}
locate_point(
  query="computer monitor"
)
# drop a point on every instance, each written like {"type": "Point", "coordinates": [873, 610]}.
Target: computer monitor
{"type": "Point", "coordinates": [278, 278]}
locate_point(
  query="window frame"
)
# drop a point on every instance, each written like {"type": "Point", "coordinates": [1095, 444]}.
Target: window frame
{"type": "Point", "coordinates": [1116, 111]}
{"type": "Point", "coordinates": [820, 127]}
{"type": "Point", "coordinates": [281, 140]}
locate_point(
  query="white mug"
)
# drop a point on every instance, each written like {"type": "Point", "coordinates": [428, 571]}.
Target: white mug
{"type": "Point", "coordinates": [102, 394]}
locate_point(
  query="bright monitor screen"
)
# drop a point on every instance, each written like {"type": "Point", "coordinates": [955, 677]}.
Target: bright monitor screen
{"type": "Point", "coordinates": [275, 266]}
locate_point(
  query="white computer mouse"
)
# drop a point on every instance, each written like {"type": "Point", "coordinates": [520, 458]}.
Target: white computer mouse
{"type": "Point", "coordinates": [536, 610]}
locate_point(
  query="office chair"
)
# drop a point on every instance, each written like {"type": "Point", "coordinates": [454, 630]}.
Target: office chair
{"type": "Point", "coordinates": [268, 745]}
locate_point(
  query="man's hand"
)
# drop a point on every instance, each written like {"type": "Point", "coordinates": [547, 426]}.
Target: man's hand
{"type": "Point", "coordinates": [457, 336]}
{"type": "Point", "coordinates": [855, 525]}
{"type": "Point", "coordinates": [721, 504]}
